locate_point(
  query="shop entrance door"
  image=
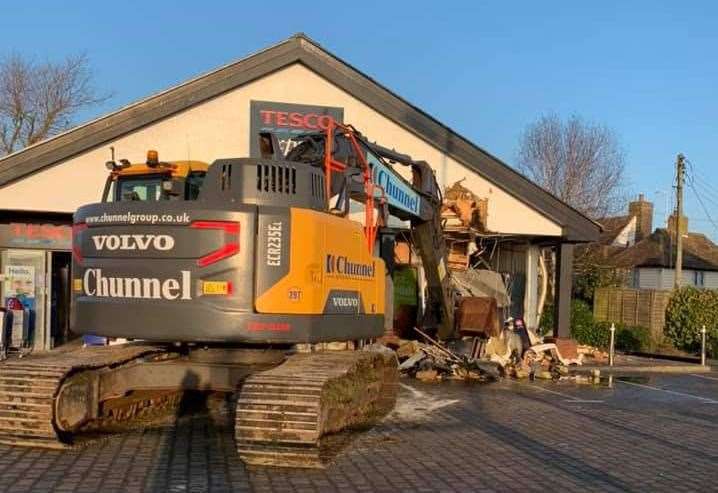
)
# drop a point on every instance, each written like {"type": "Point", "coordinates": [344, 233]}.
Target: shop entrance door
{"type": "Point", "coordinates": [59, 297]}
{"type": "Point", "coordinates": [25, 279]}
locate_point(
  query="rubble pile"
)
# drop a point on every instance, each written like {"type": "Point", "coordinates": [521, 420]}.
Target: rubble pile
{"type": "Point", "coordinates": [594, 354]}
{"type": "Point", "coordinates": [516, 352]}
{"type": "Point", "coordinates": [486, 348]}
{"type": "Point", "coordinates": [433, 361]}
{"type": "Point", "coordinates": [540, 361]}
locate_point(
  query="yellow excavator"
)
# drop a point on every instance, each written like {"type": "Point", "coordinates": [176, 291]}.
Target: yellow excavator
{"type": "Point", "coordinates": [237, 277]}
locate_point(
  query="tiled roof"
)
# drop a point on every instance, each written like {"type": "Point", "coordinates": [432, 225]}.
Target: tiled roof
{"type": "Point", "coordinates": [612, 226]}
{"type": "Point", "coordinates": [303, 50]}
{"type": "Point", "coordinates": [659, 250]}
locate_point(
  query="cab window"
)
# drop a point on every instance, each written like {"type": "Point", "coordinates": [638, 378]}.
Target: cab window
{"type": "Point", "coordinates": [144, 189]}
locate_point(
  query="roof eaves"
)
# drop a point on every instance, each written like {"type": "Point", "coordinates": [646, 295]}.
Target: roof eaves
{"type": "Point", "coordinates": [299, 48]}
{"type": "Point", "coordinates": [577, 227]}
{"type": "Point", "coordinates": [146, 111]}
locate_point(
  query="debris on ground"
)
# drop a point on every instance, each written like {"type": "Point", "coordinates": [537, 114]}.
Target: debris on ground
{"type": "Point", "coordinates": [412, 360]}
{"type": "Point", "coordinates": [486, 348]}
{"type": "Point", "coordinates": [568, 348]}
{"type": "Point", "coordinates": [594, 354]}
{"type": "Point", "coordinates": [428, 375]}
{"type": "Point", "coordinates": [408, 349]}
{"type": "Point", "coordinates": [516, 352]}
{"type": "Point", "coordinates": [594, 378]}
{"type": "Point", "coordinates": [434, 361]}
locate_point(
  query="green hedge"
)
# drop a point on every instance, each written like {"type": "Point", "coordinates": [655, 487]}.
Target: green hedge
{"type": "Point", "coordinates": [631, 338]}
{"type": "Point", "coordinates": [587, 331]}
{"type": "Point", "coordinates": [687, 311]}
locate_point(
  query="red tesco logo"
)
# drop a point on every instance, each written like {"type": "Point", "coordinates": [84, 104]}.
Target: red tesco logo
{"type": "Point", "coordinates": [294, 119]}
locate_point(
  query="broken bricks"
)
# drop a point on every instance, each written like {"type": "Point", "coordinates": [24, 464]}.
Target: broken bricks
{"type": "Point", "coordinates": [502, 355]}
{"type": "Point", "coordinates": [428, 375]}
{"type": "Point", "coordinates": [432, 361]}
{"type": "Point", "coordinates": [412, 361]}
{"type": "Point", "coordinates": [594, 353]}
{"type": "Point", "coordinates": [407, 348]}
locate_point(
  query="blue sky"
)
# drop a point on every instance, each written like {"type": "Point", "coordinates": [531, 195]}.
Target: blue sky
{"type": "Point", "coordinates": [649, 70]}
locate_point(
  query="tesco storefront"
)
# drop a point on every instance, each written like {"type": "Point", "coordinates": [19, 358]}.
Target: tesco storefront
{"type": "Point", "coordinates": [35, 263]}
{"type": "Point", "coordinates": [291, 88]}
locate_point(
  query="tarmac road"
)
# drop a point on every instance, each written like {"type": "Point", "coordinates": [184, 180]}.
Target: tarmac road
{"type": "Point", "coordinates": [641, 433]}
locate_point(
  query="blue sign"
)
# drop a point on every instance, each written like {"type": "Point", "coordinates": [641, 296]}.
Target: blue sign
{"type": "Point", "coordinates": [398, 193]}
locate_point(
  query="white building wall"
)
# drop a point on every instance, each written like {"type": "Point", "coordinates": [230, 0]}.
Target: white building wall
{"type": "Point", "coordinates": [648, 278]}
{"type": "Point", "coordinates": [710, 280]}
{"type": "Point", "coordinates": [656, 278]}
{"type": "Point", "coordinates": [220, 128]}
{"type": "Point", "coordinates": [667, 278]}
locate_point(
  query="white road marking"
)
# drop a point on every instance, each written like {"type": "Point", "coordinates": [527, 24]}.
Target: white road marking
{"type": "Point", "coordinates": [650, 387]}
{"type": "Point", "coordinates": [703, 376]}
{"type": "Point", "coordinates": [570, 397]}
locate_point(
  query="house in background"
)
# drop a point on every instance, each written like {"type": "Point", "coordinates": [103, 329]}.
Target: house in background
{"type": "Point", "coordinates": [620, 232]}
{"type": "Point", "coordinates": [649, 258]}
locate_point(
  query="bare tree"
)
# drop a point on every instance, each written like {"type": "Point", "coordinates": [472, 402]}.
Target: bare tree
{"type": "Point", "coordinates": [581, 163]}
{"type": "Point", "coordinates": [38, 100]}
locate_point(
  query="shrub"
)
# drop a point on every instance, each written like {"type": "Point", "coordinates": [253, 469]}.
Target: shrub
{"type": "Point", "coordinates": [627, 338]}
{"type": "Point", "coordinates": [582, 325]}
{"type": "Point", "coordinates": [587, 331]}
{"type": "Point", "coordinates": [632, 338]}
{"type": "Point", "coordinates": [687, 311]}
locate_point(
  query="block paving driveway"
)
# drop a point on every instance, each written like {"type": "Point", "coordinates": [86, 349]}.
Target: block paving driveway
{"type": "Point", "coordinates": [655, 433]}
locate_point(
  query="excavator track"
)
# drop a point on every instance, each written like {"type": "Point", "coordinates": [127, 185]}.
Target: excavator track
{"type": "Point", "coordinates": [29, 388]}
{"type": "Point", "coordinates": [285, 415]}
{"type": "Point", "coordinates": [289, 415]}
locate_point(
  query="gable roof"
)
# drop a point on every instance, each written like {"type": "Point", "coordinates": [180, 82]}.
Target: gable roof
{"type": "Point", "coordinates": [612, 227]}
{"type": "Point", "coordinates": [297, 49]}
{"type": "Point", "coordinates": [658, 250]}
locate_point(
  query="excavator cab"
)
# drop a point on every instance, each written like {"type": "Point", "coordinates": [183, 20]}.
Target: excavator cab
{"type": "Point", "coordinates": [153, 180]}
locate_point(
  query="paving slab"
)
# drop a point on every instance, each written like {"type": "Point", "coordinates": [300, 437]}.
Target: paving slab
{"type": "Point", "coordinates": [656, 432]}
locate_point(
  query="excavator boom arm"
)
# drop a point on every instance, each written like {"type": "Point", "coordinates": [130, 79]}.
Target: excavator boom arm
{"type": "Point", "coordinates": [426, 232]}
{"type": "Point", "coordinates": [419, 202]}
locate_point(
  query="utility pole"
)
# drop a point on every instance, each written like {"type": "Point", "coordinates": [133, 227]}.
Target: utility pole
{"type": "Point", "coordinates": [680, 172]}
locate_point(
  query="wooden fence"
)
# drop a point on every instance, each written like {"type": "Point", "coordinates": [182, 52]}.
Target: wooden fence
{"type": "Point", "coordinates": [635, 307]}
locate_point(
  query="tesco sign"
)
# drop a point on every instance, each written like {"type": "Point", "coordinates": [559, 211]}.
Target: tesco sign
{"type": "Point", "coordinates": [287, 121]}
{"type": "Point", "coordinates": [295, 119]}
